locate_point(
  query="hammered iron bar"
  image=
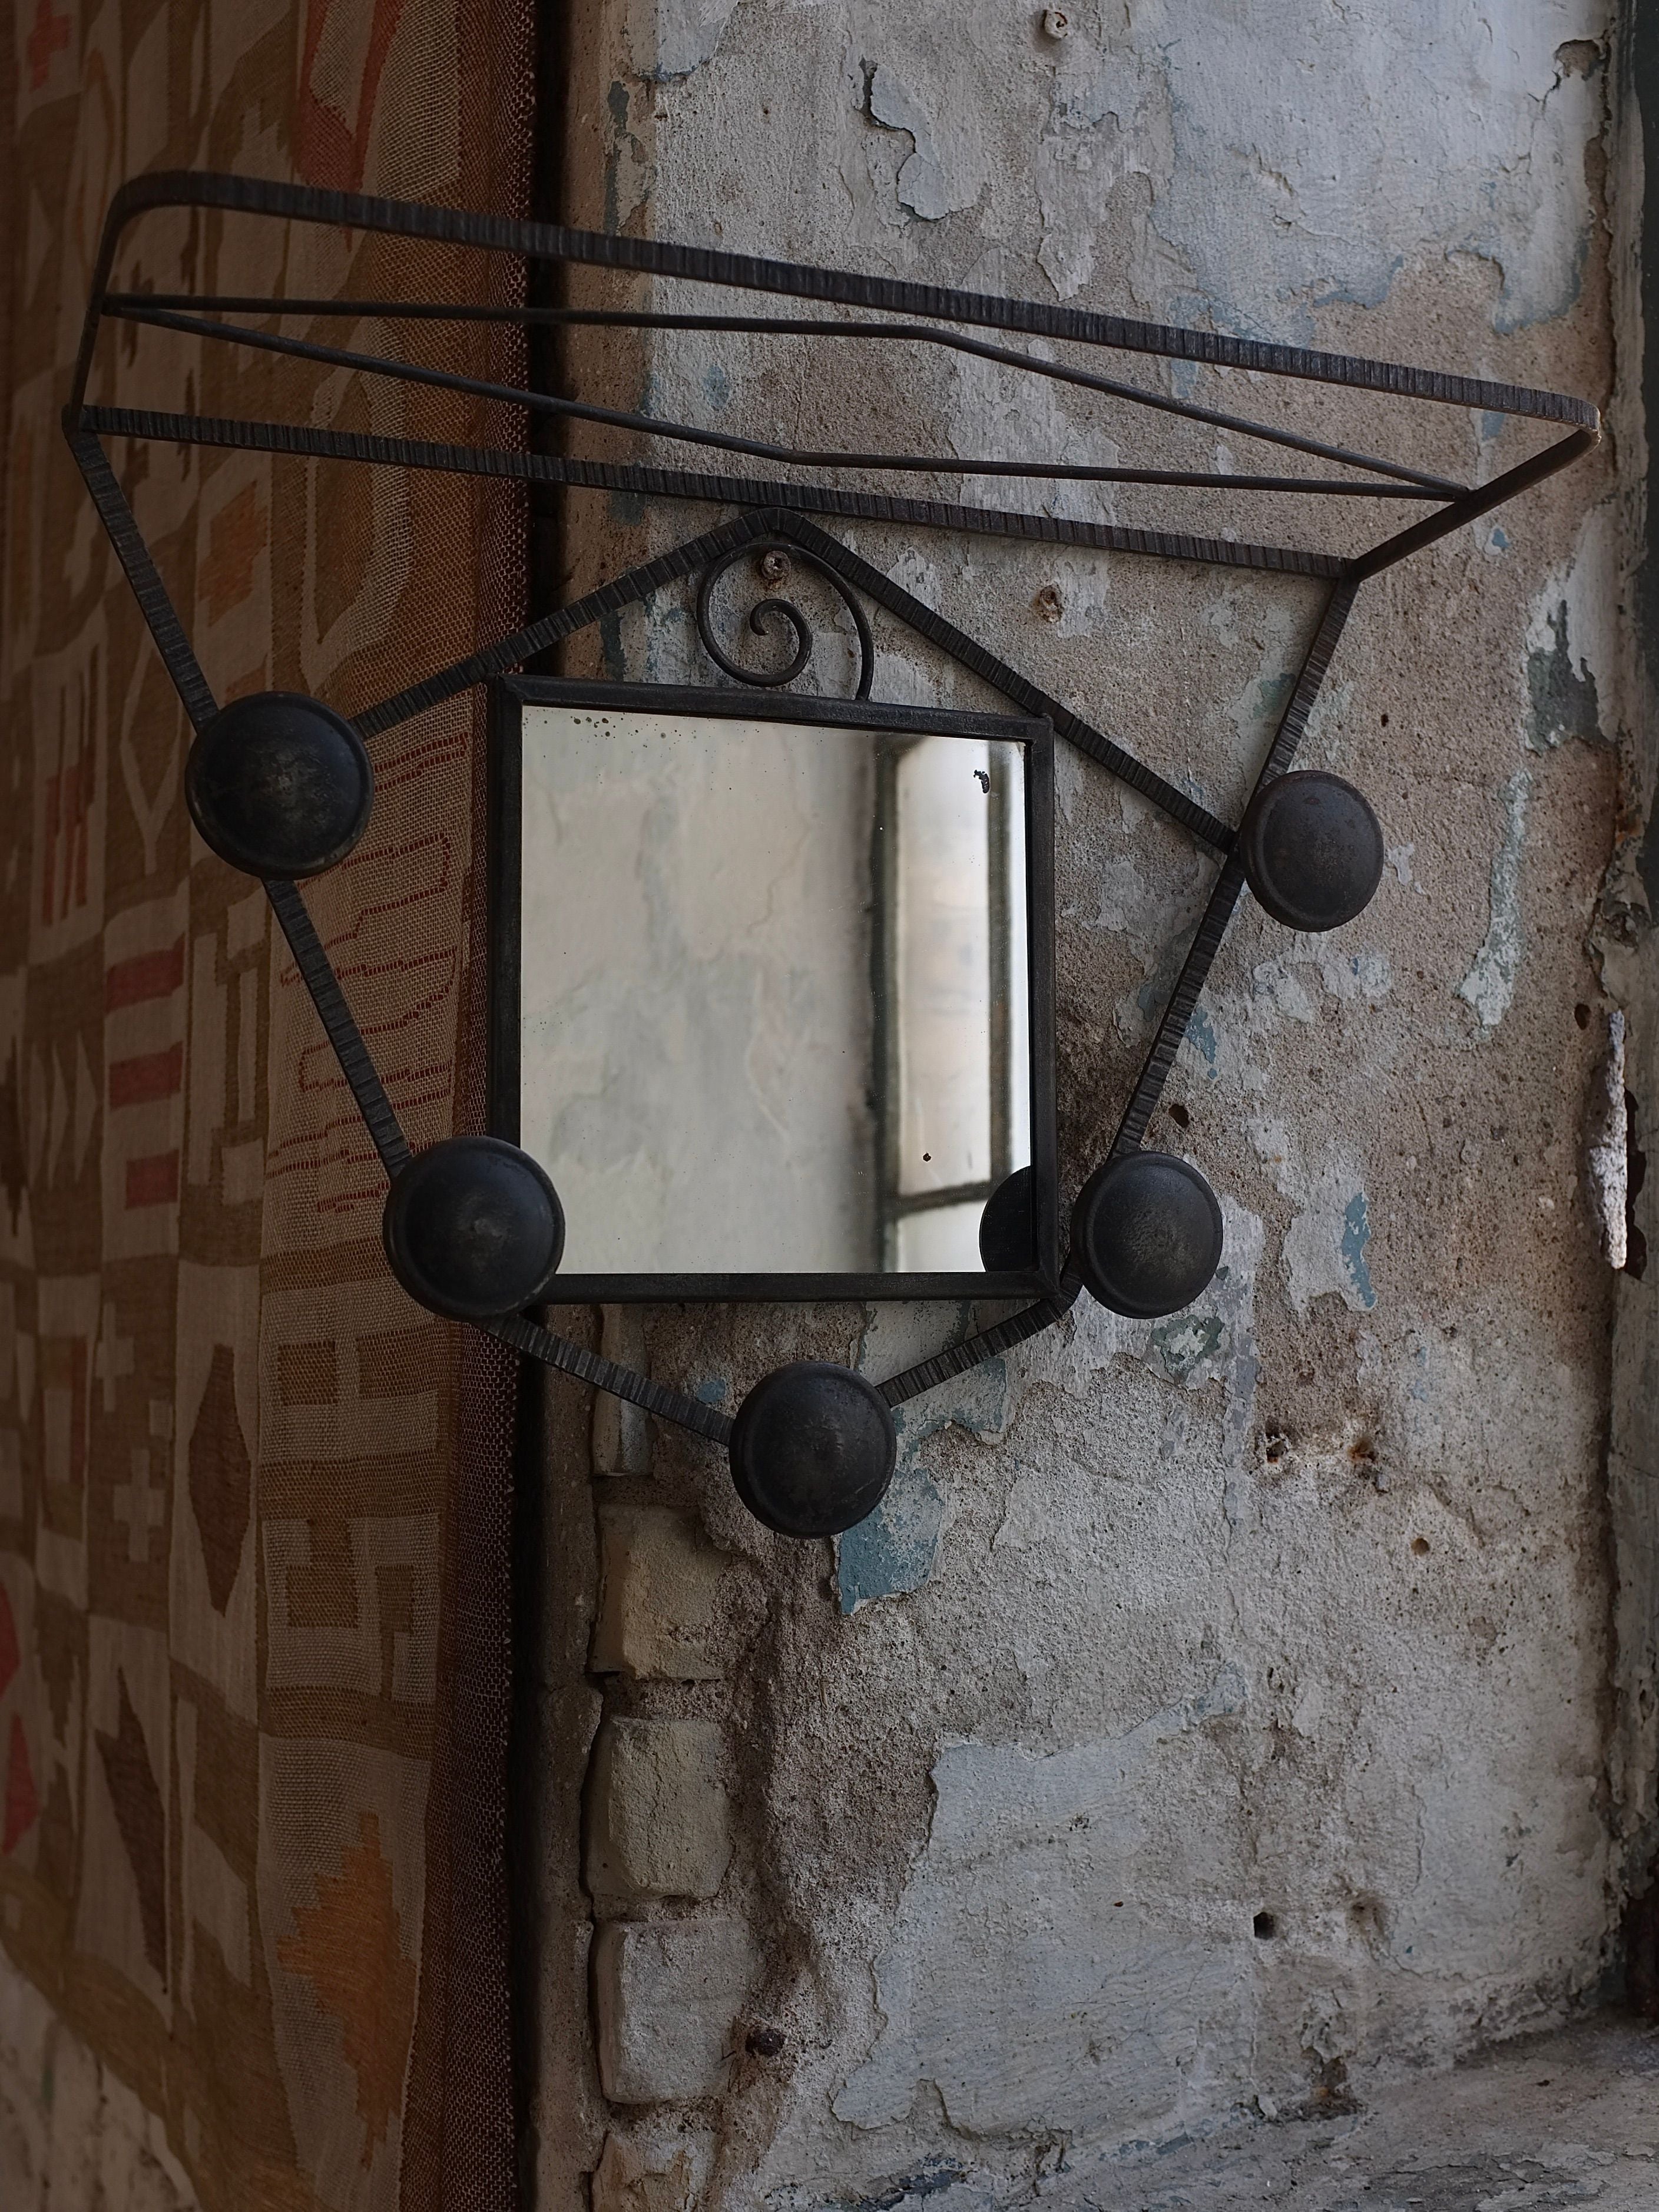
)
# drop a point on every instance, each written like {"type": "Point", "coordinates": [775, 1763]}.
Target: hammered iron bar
{"type": "Point", "coordinates": [780, 1473]}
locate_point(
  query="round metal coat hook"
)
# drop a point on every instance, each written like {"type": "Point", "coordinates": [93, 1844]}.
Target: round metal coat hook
{"type": "Point", "coordinates": [1312, 848]}
{"type": "Point", "coordinates": [1147, 1233]}
{"type": "Point", "coordinates": [279, 785]}
{"type": "Point", "coordinates": [474, 1228]}
{"type": "Point", "coordinates": [813, 1448]}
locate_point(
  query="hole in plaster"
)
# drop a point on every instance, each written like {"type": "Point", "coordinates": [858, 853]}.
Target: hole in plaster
{"type": "Point", "coordinates": [1579, 57]}
{"type": "Point", "coordinates": [1264, 1926]}
{"type": "Point", "coordinates": [1421, 1546]}
{"type": "Point", "coordinates": [1366, 1914]}
{"type": "Point", "coordinates": [1385, 721]}
{"type": "Point", "coordinates": [765, 2042]}
{"type": "Point", "coordinates": [1635, 1174]}
{"type": "Point", "coordinates": [1276, 1444]}
{"type": "Point", "coordinates": [1581, 1015]}
{"type": "Point", "coordinates": [1181, 1117]}
{"type": "Point", "coordinates": [1363, 1451]}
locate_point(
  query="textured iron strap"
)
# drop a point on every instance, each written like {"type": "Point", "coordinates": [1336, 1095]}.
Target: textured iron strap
{"type": "Point", "coordinates": [181, 665]}
{"type": "Point", "coordinates": [1474, 503]}
{"type": "Point", "coordinates": [712, 490]}
{"type": "Point", "coordinates": [125, 303]}
{"type": "Point", "coordinates": [178, 657]}
{"type": "Point", "coordinates": [317, 973]}
{"type": "Point", "coordinates": [1218, 912]}
{"type": "Point", "coordinates": [524, 644]}
{"type": "Point", "coordinates": [985, 1344]}
{"type": "Point", "coordinates": [570, 1359]}
{"type": "Point", "coordinates": [728, 441]}
{"type": "Point", "coordinates": [669, 566]}
{"type": "Point", "coordinates": [554, 242]}
{"type": "Point", "coordinates": [1013, 686]}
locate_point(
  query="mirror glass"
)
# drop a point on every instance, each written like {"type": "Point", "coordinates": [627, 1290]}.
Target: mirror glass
{"type": "Point", "coordinates": [774, 1010]}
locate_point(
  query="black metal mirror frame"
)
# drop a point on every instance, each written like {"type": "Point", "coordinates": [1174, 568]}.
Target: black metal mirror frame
{"type": "Point", "coordinates": [510, 696]}
{"type": "Point", "coordinates": [472, 1226]}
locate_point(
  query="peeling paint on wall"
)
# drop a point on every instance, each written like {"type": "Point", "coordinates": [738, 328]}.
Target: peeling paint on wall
{"type": "Point", "coordinates": [1364, 1470]}
{"type": "Point", "coordinates": [689, 33]}
{"type": "Point", "coordinates": [1490, 984]}
{"type": "Point", "coordinates": [1261, 208]}
{"type": "Point", "coordinates": [1015, 2014]}
{"type": "Point", "coordinates": [1324, 1248]}
{"type": "Point", "coordinates": [928, 184]}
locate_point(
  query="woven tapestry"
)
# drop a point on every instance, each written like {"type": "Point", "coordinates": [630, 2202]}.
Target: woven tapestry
{"type": "Point", "coordinates": [253, 1500]}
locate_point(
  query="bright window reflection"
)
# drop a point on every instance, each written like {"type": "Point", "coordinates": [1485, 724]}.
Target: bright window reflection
{"type": "Point", "coordinates": [957, 1100]}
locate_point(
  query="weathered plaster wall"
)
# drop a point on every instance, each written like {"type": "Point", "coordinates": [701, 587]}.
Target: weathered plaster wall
{"type": "Point", "coordinates": [1219, 1715]}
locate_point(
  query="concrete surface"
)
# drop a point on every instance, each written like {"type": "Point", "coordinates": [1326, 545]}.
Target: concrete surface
{"type": "Point", "coordinates": [1550, 2120]}
{"type": "Point", "coordinates": [1232, 1708]}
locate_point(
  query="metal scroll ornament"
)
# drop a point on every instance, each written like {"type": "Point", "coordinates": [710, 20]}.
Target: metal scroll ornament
{"type": "Point", "coordinates": [773, 555]}
{"type": "Point", "coordinates": [281, 786]}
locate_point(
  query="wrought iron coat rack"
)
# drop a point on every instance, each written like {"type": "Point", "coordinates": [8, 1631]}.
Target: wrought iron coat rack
{"type": "Point", "coordinates": [282, 787]}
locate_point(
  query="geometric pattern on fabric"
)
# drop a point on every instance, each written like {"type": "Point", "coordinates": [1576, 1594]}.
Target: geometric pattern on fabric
{"type": "Point", "coordinates": [244, 1846]}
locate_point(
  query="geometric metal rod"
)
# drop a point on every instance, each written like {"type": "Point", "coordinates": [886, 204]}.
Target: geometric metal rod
{"type": "Point", "coordinates": [707, 490]}
{"type": "Point", "coordinates": [1224, 896]}
{"type": "Point", "coordinates": [1479, 502]}
{"type": "Point", "coordinates": [546, 402]}
{"type": "Point", "coordinates": [775, 326]}
{"type": "Point", "coordinates": [986, 1343]}
{"type": "Point", "coordinates": [545, 241]}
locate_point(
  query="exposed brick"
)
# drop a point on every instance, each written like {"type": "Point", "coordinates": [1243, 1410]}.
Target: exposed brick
{"type": "Point", "coordinates": [658, 1819]}
{"type": "Point", "coordinates": [667, 1994]}
{"type": "Point", "coordinates": [658, 1587]}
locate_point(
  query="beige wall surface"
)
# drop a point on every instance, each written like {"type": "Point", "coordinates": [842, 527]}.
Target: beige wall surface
{"type": "Point", "coordinates": [1221, 1714]}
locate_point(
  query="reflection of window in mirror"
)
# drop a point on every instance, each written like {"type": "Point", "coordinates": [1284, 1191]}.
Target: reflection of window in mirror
{"type": "Point", "coordinates": [954, 1094]}
{"type": "Point", "coordinates": [773, 980]}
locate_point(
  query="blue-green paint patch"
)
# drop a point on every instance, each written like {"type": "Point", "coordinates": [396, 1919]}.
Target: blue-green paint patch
{"type": "Point", "coordinates": [1186, 1341]}
{"type": "Point", "coordinates": [1499, 540]}
{"type": "Point", "coordinates": [713, 1390]}
{"type": "Point", "coordinates": [717, 384]}
{"type": "Point", "coordinates": [893, 1551]}
{"type": "Point", "coordinates": [1356, 1236]}
{"type": "Point", "coordinates": [1201, 1036]}
{"type": "Point", "coordinates": [611, 647]}
{"type": "Point", "coordinates": [1272, 695]}
{"type": "Point", "coordinates": [1371, 293]}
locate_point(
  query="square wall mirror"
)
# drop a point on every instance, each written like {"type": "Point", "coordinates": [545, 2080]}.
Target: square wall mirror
{"type": "Point", "coordinates": [772, 991]}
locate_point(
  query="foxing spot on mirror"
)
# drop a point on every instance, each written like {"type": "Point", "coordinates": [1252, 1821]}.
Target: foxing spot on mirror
{"type": "Point", "coordinates": [773, 996]}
